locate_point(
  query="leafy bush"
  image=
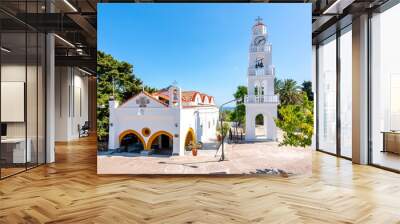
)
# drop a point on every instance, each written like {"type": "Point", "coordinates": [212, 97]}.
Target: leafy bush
{"type": "Point", "coordinates": [297, 122]}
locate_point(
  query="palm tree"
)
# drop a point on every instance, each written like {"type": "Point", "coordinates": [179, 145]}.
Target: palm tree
{"type": "Point", "coordinates": [278, 85]}
{"type": "Point", "coordinates": [289, 92]}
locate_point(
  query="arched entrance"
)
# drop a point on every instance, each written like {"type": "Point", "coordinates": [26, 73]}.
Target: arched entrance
{"type": "Point", "coordinates": [131, 141]}
{"type": "Point", "coordinates": [260, 126]}
{"type": "Point", "coordinates": [190, 138]}
{"type": "Point", "coordinates": [161, 143]}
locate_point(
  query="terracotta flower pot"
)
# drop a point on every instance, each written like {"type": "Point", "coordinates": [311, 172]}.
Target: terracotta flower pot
{"type": "Point", "coordinates": [194, 151]}
{"type": "Point", "coordinates": [219, 138]}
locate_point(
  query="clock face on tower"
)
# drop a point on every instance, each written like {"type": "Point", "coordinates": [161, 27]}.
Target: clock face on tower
{"type": "Point", "coordinates": [259, 40]}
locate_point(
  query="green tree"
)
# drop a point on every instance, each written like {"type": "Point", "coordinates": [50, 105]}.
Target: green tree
{"type": "Point", "coordinates": [114, 78]}
{"type": "Point", "coordinates": [239, 113]}
{"type": "Point", "coordinates": [240, 93]}
{"type": "Point", "coordinates": [278, 85]}
{"type": "Point", "coordinates": [289, 92]}
{"type": "Point", "coordinates": [225, 128]}
{"type": "Point", "coordinates": [227, 114]}
{"type": "Point", "coordinates": [297, 122]}
{"type": "Point", "coordinates": [260, 119]}
{"type": "Point", "coordinates": [306, 87]}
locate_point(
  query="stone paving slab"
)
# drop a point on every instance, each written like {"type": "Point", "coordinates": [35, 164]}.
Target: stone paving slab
{"type": "Point", "coordinates": [246, 158]}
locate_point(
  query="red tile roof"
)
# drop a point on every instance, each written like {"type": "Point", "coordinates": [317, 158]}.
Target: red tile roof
{"type": "Point", "coordinates": [187, 96]}
{"type": "Point", "coordinates": [147, 94]}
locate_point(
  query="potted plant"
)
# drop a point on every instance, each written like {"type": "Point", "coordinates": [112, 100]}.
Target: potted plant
{"type": "Point", "coordinates": [194, 151]}
{"type": "Point", "coordinates": [219, 137]}
{"type": "Point", "coordinates": [195, 147]}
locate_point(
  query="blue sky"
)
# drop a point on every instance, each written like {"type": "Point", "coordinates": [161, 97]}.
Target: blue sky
{"type": "Point", "coordinates": [204, 47]}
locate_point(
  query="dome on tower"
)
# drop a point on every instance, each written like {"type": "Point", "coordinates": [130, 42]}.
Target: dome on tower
{"type": "Point", "coordinates": [259, 27]}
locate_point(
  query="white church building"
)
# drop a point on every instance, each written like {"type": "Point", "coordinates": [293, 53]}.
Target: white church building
{"type": "Point", "coordinates": [261, 100]}
{"type": "Point", "coordinates": [164, 122]}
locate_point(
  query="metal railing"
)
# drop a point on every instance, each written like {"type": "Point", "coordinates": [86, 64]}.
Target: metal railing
{"type": "Point", "coordinates": [261, 48]}
{"type": "Point", "coordinates": [260, 71]}
{"type": "Point", "coordinates": [262, 99]}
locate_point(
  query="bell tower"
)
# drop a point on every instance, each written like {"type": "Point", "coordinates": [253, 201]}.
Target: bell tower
{"type": "Point", "coordinates": [261, 100]}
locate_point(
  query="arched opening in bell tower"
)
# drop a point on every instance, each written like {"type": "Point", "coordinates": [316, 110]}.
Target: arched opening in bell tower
{"type": "Point", "coordinates": [259, 91]}
{"type": "Point", "coordinates": [260, 126]}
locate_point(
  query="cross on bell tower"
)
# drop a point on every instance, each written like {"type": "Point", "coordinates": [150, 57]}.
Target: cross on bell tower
{"type": "Point", "coordinates": [258, 20]}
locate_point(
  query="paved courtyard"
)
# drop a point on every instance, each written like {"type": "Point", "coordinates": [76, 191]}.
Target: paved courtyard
{"type": "Point", "coordinates": [245, 158]}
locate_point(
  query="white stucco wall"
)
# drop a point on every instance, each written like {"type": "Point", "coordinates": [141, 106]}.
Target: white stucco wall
{"type": "Point", "coordinates": [69, 112]}
{"type": "Point", "coordinates": [269, 112]}
{"type": "Point", "coordinates": [157, 117]}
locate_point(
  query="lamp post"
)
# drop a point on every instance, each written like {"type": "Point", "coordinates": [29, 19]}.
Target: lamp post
{"type": "Point", "coordinates": [221, 127]}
